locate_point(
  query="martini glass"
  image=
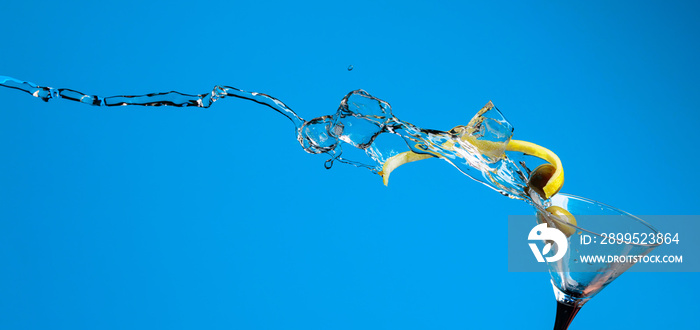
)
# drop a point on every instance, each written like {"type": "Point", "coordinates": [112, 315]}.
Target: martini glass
{"type": "Point", "coordinates": [575, 282]}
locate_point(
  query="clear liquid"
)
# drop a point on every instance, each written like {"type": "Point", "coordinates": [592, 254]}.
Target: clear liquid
{"type": "Point", "coordinates": [363, 131]}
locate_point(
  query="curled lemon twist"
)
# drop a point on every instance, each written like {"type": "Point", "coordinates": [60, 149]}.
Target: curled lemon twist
{"type": "Point", "coordinates": [546, 180]}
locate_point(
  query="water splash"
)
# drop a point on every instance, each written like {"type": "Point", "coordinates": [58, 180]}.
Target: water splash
{"type": "Point", "coordinates": [363, 131]}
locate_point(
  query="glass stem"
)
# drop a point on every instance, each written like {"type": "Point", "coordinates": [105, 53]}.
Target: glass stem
{"type": "Point", "coordinates": [565, 314]}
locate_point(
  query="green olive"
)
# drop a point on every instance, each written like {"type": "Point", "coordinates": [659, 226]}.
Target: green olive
{"type": "Point", "coordinates": [539, 178]}
{"type": "Point", "coordinates": [562, 217]}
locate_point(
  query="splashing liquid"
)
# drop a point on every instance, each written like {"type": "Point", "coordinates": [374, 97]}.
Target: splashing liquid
{"type": "Point", "coordinates": [363, 132]}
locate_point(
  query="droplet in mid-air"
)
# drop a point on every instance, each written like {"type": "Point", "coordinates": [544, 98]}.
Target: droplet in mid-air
{"type": "Point", "coordinates": [350, 67]}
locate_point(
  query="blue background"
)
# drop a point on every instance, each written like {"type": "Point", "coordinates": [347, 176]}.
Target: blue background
{"type": "Point", "coordinates": [134, 217]}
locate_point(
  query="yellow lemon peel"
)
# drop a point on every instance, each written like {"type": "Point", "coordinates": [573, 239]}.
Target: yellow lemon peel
{"type": "Point", "coordinates": [489, 148]}
{"type": "Point", "coordinates": [557, 180]}
{"type": "Point", "coordinates": [395, 161]}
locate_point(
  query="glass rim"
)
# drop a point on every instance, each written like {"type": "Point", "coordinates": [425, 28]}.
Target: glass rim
{"type": "Point", "coordinates": [621, 212]}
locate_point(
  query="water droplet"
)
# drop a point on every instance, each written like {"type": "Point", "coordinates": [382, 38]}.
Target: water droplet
{"type": "Point", "coordinates": [350, 67]}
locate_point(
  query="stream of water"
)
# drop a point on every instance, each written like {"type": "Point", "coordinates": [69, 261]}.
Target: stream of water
{"type": "Point", "coordinates": [362, 132]}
